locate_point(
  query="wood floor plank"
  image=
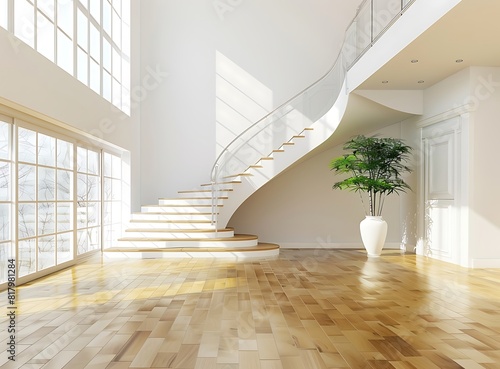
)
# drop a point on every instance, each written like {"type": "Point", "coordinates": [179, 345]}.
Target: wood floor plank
{"type": "Point", "coordinates": [304, 309]}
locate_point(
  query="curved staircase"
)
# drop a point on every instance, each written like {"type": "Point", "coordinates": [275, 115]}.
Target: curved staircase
{"type": "Point", "coordinates": [195, 223]}
{"type": "Point", "coordinates": [183, 227]}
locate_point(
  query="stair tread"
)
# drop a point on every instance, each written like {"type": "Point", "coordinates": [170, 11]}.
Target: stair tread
{"type": "Point", "coordinates": [169, 213]}
{"type": "Point", "coordinates": [191, 230]}
{"type": "Point", "coordinates": [237, 237]}
{"type": "Point", "coordinates": [221, 183]}
{"type": "Point", "coordinates": [194, 191]}
{"type": "Point", "coordinates": [183, 206]}
{"type": "Point", "coordinates": [259, 247]}
{"type": "Point", "coordinates": [167, 221]}
{"type": "Point", "coordinates": [190, 198]}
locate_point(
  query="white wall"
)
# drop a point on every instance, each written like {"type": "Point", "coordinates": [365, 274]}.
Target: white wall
{"type": "Point", "coordinates": [228, 62]}
{"type": "Point", "coordinates": [473, 92]}
{"type": "Point", "coordinates": [300, 209]}
{"type": "Point", "coordinates": [484, 231]}
{"type": "Point", "coordinates": [33, 82]}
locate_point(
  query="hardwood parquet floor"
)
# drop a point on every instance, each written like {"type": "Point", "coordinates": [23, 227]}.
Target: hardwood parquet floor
{"type": "Point", "coordinates": [311, 309]}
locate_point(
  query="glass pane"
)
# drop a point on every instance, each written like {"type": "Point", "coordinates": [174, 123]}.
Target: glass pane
{"type": "Point", "coordinates": [6, 253]}
{"type": "Point", "coordinates": [64, 185]}
{"type": "Point", "coordinates": [94, 240]}
{"type": "Point", "coordinates": [46, 150]}
{"type": "Point", "coordinates": [82, 187]}
{"type": "Point", "coordinates": [5, 222]}
{"type": "Point", "coordinates": [81, 160]}
{"type": "Point", "coordinates": [5, 144]}
{"type": "Point", "coordinates": [384, 11]}
{"type": "Point", "coordinates": [95, 42]}
{"type": "Point", "coordinates": [64, 247]}
{"type": "Point", "coordinates": [46, 184]}
{"type": "Point", "coordinates": [46, 252]}
{"type": "Point", "coordinates": [107, 189]}
{"type": "Point", "coordinates": [117, 211]}
{"type": "Point", "coordinates": [64, 217]}
{"type": "Point", "coordinates": [64, 52]}
{"type": "Point", "coordinates": [117, 65]}
{"type": "Point", "coordinates": [126, 11]}
{"type": "Point", "coordinates": [107, 161]}
{"type": "Point", "coordinates": [94, 189]}
{"type": "Point", "coordinates": [93, 162]}
{"type": "Point", "coordinates": [4, 14]}
{"type": "Point", "coordinates": [85, 3]}
{"type": "Point", "coordinates": [117, 167]}
{"type": "Point", "coordinates": [106, 85]}
{"type": "Point", "coordinates": [117, 93]}
{"type": "Point", "coordinates": [126, 74]}
{"type": "Point", "coordinates": [64, 154]}
{"type": "Point", "coordinates": [82, 66]}
{"type": "Point", "coordinates": [24, 21]}
{"type": "Point", "coordinates": [95, 76]}
{"type": "Point", "coordinates": [93, 211]}
{"type": "Point", "coordinates": [81, 215]}
{"type": "Point", "coordinates": [117, 30]}
{"type": "Point", "coordinates": [47, 7]}
{"type": "Point", "coordinates": [45, 37]}
{"type": "Point", "coordinates": [26, 145]}
{"type": "Point", "coordinates": [26, 182]}
{"type": "Point", "coordinates": [65, 16]}
{"type": "Point", "coordinates": [117, 5]}
{"type": "Point", "coordinates": [82, 242]}
{"type": "Point", "coordinates": [27, 220]}
{"type": "Point", "coordinates": [107, 231]}
{"type": "Point", "coordinates": [125, 39]}
{"type": "Point", "coordinates": [46, 218]}
{"type": "Point", "coordinates": [82, 30]}
{"type": "Point", "coordinates": [107, 215]}
{"type": "Point", "coordinates": [106, 54]}
{"type": "Point", "coordinates": [106, 16]}
{"type": "Point", "coordinates": [5, 181]}
{"type": "Point", "coordinates": [27, 257]}
{"type": "Point", "coordinates": [117, 189]}
{"type": "Point", "coordinates": [95, 10]}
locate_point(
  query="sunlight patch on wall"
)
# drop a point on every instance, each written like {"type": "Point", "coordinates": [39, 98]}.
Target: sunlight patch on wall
{"type": "Point", "coordinates": [241, 100]}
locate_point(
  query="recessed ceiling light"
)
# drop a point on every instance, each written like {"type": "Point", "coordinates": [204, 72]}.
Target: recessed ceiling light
{"type": "Point", "coordinates": [459, 61]}
{"type": "Point", "coordinates": [414, 61]}
{"type": "Point", "coordinates": [385, 81]}
{"type": "Point", "coordinates": [421, 81]}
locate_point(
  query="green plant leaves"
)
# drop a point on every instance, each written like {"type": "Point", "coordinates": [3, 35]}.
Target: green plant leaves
{"type": "Point", "coordinates": [375, 166]}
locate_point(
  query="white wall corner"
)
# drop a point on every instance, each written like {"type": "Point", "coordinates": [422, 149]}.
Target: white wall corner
{"type": "Point", "coordinates": [407, 101]}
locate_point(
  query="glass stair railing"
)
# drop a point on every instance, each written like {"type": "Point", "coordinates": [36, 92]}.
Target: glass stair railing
{"type": "Point", "coordinates": [259, 140]}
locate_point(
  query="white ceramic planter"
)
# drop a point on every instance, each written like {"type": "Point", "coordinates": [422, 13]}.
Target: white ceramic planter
{"type": "Point", "coordinates": [373, 232]}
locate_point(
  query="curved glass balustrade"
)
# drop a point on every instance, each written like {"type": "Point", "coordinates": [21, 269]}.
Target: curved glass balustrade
{"type": "Point", "coordinates": [301, 111]}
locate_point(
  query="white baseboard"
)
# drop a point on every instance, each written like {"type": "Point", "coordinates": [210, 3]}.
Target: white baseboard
{"type": "Point", "coordinates": [485, 263]}
{"type": "Point", "coordinates": [332, 245]}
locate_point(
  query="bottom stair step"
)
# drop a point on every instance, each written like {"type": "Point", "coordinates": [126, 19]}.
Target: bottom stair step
{"type": "Point", "coordinates": [261, 250]}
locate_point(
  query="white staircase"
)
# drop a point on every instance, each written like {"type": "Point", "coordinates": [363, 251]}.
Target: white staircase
{"type": "Point", "coordinates": [183, 226]}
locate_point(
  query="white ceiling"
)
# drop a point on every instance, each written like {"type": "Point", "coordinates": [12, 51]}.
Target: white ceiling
{"type": "Point", "coordinates": [470, 31]}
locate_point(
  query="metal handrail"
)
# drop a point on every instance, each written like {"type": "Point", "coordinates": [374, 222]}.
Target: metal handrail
{"type": "Point", "coordinates": [405, 4]}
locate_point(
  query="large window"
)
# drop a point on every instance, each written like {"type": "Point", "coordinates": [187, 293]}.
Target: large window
{"type": "Point", "coordinates": [51, 186]}
{"type": "Point", "coordinates": [6, 203]}
{"type": "Point", "coordinates": [89, 39]}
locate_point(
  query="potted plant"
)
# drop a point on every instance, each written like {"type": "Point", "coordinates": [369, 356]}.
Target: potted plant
{"type": "Point", "coordinates": [375, 166]}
